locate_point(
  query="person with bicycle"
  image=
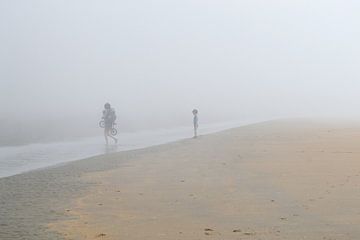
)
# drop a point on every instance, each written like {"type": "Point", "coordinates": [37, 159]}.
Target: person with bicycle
{"type": "Point", "coordinates": [109, 117]}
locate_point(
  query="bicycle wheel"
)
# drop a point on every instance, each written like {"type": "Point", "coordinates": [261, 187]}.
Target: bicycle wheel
{"type": "Point", "coordinates": [102, 124]}
{"type": "Point", "coordinates": [113, 131]}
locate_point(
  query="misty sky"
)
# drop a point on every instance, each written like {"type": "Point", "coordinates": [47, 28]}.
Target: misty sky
{"type": "Point", "coordinates": [156, 60]}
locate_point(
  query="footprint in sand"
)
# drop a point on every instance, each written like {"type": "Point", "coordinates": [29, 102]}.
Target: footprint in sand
{"type": "Point", "coordinates": [208, 231]}
{"type": "Point", "coordinates": [236, 231]}
{"type": "Point", "coordinates": [101, 235]}
{"type": "Point", "coordinates": [192, 195]}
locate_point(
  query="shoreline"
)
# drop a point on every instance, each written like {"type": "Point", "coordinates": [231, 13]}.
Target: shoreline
{"type": "Point", "coordinates": [21, 159]}
{"type": "Point", "coordinates": [272, 180]}
{"type": "Point", "coordinates": [44, 194]}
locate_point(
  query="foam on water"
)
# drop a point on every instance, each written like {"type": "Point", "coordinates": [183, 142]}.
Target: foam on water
{"type": "Point", "coordinates": [19, 159]}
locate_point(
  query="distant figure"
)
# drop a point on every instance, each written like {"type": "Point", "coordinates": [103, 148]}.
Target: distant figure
{"type": "Point", "coordinates": [196, 122]}
{"type": "Point", "coordinates": [109, 117]}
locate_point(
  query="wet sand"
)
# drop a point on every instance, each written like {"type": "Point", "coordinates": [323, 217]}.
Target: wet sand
{"type": "Point", "coordinates": [274, 180]}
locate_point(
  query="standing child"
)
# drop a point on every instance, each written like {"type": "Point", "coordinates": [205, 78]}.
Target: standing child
{"type": "Point", "coordinates": [196, 122]}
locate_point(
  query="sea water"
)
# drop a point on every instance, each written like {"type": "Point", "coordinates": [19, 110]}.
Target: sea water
{"type": "Point", "coordinates": [18, 159]}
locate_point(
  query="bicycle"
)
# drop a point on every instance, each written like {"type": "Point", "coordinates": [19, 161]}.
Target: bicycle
{"type": "Point", "coordinates": [113, 131]}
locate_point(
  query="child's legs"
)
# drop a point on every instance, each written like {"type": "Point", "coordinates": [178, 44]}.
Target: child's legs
{"type": "Point", "coordinates": [106, 134]}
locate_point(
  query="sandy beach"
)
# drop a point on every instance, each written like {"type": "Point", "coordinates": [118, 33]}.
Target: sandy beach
{"type": "Point", "coordinates": [286, 179]}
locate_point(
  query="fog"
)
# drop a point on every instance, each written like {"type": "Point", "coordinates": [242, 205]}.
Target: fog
{"type": "Point", "coordinates": [155, 61]}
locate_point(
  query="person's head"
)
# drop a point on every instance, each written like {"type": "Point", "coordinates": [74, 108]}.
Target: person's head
{"type": "Point", "coordinates": [107, 106]}
{"type": "Point", "coordinates": [195, 111]}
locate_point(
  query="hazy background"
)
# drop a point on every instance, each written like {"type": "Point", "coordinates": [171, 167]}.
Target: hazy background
{"type": "Point", "coordinates": [155, 61]}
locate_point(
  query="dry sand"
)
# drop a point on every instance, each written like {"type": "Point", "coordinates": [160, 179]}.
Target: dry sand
{"type": "Point", "coordinates": [274, 180]}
